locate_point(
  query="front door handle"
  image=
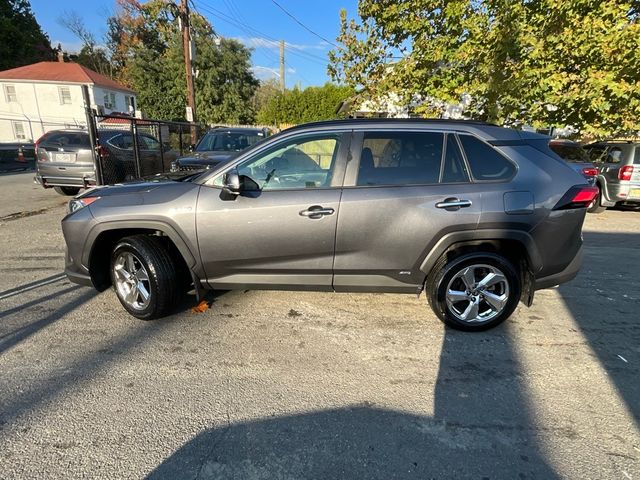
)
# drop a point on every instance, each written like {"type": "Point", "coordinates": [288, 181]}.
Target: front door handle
{"type": "Point", "coordinates": [453, 204]}
{"type": "Point", "coordinates": [317, 211]}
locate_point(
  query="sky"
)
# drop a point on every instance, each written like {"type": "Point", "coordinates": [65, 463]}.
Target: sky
{"type": "Point", "coordinates": [256, 23]}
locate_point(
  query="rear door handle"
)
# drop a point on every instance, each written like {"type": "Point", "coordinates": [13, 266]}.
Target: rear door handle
{"type": "Point", "coordinates": [453, 204]}
{"type": "Point", "coordinates": [317, 211]}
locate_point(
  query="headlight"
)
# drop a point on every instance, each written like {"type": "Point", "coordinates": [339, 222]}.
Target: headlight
{"type": "Point", "coordinates": [79, 203]}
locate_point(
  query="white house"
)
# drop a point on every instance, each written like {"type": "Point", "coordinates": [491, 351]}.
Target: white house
{"type": "Point", "coordinates": [48, 95]}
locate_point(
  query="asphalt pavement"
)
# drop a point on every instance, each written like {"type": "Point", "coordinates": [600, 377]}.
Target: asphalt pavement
{"type": "Point", "coordinates": [293, 385]}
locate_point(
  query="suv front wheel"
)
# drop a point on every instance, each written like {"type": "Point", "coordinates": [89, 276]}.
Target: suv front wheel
{"type": "Point", "coordinates": [474, 292]}
{"type": "Point", "coordinates": [144, 275]}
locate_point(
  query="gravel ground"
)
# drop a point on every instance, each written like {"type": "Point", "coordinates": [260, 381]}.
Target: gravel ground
{"type": "Point", "coordinates": [312, 385]}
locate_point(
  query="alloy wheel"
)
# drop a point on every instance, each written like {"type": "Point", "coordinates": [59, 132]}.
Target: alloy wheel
{"type": "Point", "coordinates": [477, 293]}
{"type": "Point", "coordinates": [132, 281]}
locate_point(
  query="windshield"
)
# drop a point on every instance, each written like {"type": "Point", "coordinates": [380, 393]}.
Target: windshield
{"type": "Point", "coordinates": [572, 153]}
{"type": "Point", "coordinates": [228, 141]}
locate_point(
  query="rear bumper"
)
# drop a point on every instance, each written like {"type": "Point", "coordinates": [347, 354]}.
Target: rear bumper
{"type": "Point", "coordinates": [569, 273]}
{"type": "Point", "coordinates": [65, 175]}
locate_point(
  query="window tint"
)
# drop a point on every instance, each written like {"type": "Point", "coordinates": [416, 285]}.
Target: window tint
{"type": "Point", "coordinates": [454, 169]}
{"type": "Point", "coordinates": [306, 162]}
{"type": "Point", "coordinates": [70, 139]}
{"type": "Point", "coordinates": [596, 153]}
{"type": "Point", "coordinates": [614, 155]}
{"type": "Point", "coordinates": [400, 158]}
{"type": "Point", "coordinates": [228, 141]}
{"type": "Point", "coordinates": [569, 152]}
{"type": "Point", "coordinates": [149, 143]}
{"type": "Point", "coordinates": [485, 162]}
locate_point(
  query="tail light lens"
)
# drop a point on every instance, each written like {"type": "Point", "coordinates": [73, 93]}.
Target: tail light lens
{"type": "Point", "coordinates": [577, 197]}
{"type": "Point", "coordinates": [625, 172]}
{"type": "Point", "coordinates": [590, 172]}
{"type": "Point", "coordinates": [43, 157]}
{"type": "Point", "coordinates": [102, 152]}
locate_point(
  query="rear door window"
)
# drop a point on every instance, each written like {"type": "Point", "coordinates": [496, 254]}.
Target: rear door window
{"type": "Point", "coordinates": [597, 153]}
{"type": "Point", "coordinates": [485, 162]}
{"type": "Point", "coordinates": [400, 158]}
{"type": "Point", "coordinates": [454, 169]}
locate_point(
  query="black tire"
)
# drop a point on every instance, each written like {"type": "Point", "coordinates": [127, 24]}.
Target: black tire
{"type": "Point", "coordinates": [68, 191]}
{"type": "Point", "coordinates": [595, 206]}
{"type": "Point", "coordinates": [161, 270]}
{"type": "Point", "coordinates": [443, 273]}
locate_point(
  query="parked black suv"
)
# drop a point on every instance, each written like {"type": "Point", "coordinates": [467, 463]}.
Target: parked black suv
{"type": "Point", "coordinates": [217, 146]}
{"type": "Point", "coordinates": [477, 216]}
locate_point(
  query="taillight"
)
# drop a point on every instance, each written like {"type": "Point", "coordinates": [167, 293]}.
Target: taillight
{"type": "Point", "coordinates": [590, 172]}
{"type": "Point", "coordinates": [625, 172]}
{"type": "Point", "coordinates": [102, 152]}
{"type": "Point", "coordinates": [577, 197]}
{"type": "Point", "coordinates": [43, 157]}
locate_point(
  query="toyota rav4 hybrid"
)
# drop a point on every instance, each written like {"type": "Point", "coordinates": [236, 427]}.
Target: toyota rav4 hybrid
{"type": "Point", "coordinates": [477, 216]}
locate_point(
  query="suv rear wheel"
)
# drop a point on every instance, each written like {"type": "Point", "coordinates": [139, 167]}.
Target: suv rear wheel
{"type": "Point", "coordinates": [595, 206]}
{"type": "Point", "coordinates": [474, 292]}
{"type": "Point", "coordinates": [67, 190]}
{"type": "Point", "coordinates": [144, 276]}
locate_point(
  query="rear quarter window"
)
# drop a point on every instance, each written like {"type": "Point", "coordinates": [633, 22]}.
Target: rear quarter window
{"type": "Point", "coordinates": [485, 162]}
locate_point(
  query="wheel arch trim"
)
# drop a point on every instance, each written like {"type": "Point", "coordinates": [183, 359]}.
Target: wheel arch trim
{"type": "Point", "coordinates": [165, 228]}
{"type": "Point", "coordinates": [454, 238]}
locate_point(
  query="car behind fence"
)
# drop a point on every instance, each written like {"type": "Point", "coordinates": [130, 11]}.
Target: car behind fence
{"type": "Point", "coordinates": [128, 148]}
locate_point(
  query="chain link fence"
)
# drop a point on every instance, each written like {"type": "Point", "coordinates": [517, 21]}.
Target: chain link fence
{"type": "Point", "coordinates": [130, 148]}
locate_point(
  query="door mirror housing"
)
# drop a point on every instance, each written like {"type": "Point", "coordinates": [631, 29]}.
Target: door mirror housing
{"type": "Point", "coordinates": [231, 183]}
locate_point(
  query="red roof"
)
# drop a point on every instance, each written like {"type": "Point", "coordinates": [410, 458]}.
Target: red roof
{"type": "Point", "coordinates": [61, 72]}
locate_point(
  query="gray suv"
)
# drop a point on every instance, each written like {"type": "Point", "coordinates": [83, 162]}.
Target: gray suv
{"type": "Point", "coordinates": [477, 216]}
{"type": "Point", "coordinates": [618, 178]}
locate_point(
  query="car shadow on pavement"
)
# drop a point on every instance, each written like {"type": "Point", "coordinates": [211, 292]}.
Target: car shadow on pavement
{"type": "Point", "coordinates": [481, 428]}
{"type": "Point", "coordinates": [604, 300]}
{"type": "Point", "coordinates": [25, 330]}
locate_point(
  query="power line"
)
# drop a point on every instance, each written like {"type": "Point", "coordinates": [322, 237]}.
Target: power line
{"type": "Point", "coordinates": [253, 31]}
{"type": "Point", "coordinates": [302, 24]}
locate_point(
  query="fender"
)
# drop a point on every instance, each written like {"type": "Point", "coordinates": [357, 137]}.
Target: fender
{"type": "Point", "coordinates": [165, 228]}
{"type": "Point", "coordinates": [450, 239]}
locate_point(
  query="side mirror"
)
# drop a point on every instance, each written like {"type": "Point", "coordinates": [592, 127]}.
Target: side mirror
{"type": "Point", "coordinates": [231, 183]}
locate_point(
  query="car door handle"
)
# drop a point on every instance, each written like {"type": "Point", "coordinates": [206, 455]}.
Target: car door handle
{"type": "Point", "coordinates": [316, 211]}
{"type": "Point", "coordinates": [453, 204]}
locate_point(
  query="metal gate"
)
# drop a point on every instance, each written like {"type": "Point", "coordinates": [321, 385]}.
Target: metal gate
{"type": "Point", "coordinates": [130, 148]}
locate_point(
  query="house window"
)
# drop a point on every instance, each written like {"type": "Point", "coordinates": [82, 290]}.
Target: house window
{"type": "Point", "coordinates": [18, 131]}
{"type": "Point", "coordinates": [129, 101]}
{"type": "Point", "coordinates": [65, 95]}
{"type": "Point", "coordinates": [10, 93]}
{"type": "Point", "coordinates": [110, 100]}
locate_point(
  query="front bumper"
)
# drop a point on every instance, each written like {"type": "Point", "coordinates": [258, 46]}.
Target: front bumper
{"type": "Point", "coordinates": [569, 273]}
{"type": "Point", "coordinates": [77, 274]}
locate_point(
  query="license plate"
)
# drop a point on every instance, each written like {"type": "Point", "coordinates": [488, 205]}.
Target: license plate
{"type": "Point", "coordinates": [634, 192]}
{"type": "Point", "coordinates": [65, 157]}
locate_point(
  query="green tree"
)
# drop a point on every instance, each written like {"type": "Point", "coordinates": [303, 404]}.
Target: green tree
{"type": "Point", "coordinates": [145, 42]}
{"type": "Point", "coordinates": [539, 62]}
{"type": "Point", "coordinates": [22, 41]}
{"type": "Point", "coordinates": [308, 105]}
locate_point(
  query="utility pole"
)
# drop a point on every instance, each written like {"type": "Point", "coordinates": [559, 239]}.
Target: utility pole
{"type": "Point", "coordinates": [186, 46]}
{"type": "Point", "coordinates": [282, 85]}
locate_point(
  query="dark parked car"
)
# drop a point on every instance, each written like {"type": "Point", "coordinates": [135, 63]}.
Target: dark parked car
{"type": "Point", "coordinates": [217, 146]}
{"type": "Point", "coordinates": [477, 216]}
{"type": "Point", "coordinates": [65, 160]}
{"type": "Point", "coordinates": [618, 179]}
{"type": "Point", "coordinates": [16, 156]}
{"type": "Point", "coordinates": [573, 153]}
